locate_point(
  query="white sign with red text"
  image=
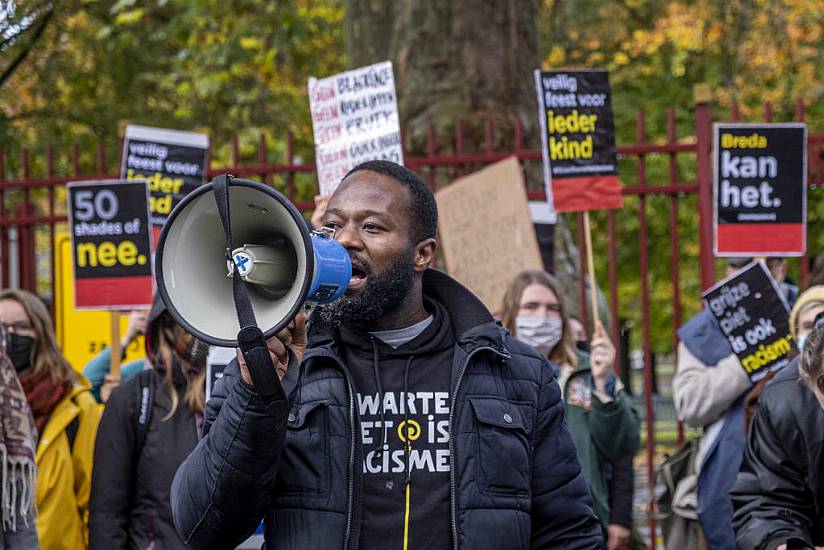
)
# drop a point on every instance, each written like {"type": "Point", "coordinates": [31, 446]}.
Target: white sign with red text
{"type": "Point", "coordinates": [354, 119]}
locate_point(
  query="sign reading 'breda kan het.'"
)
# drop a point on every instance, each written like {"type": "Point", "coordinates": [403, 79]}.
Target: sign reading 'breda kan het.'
{"type": "Point", "coordinates": [578, 138]}
{"type": "Point", "coordinates": [760, 189]}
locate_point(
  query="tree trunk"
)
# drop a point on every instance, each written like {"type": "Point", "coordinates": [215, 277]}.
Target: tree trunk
{"type": "Point", "coordinates": [470, 61]}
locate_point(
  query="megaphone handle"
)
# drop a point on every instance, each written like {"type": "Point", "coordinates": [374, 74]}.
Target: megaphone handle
{"type": "Point", "coordinates": [250, 338]}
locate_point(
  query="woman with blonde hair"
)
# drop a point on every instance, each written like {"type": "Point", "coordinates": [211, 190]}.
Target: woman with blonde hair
{"type": "Point", "coordinates": [150, 425]}
{"type": "Point", "coordinates": [65, 417]}
{"type": "Point", "coordinates": [601, 420]}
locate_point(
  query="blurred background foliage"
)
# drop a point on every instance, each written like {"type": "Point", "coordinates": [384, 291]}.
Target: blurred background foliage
{"type": "Point", "coordinates": [79, 71]}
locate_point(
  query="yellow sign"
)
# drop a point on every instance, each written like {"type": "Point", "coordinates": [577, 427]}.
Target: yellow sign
{"type": "Point", "coordinates": [81, 334]}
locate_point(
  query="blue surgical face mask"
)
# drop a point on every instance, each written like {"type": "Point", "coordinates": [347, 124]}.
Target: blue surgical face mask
{"type": "Point", "coordinates": [799, 341]}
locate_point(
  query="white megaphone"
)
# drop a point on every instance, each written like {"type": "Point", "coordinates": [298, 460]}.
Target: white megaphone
{"type": "Point", "coordinates": [283, 262]}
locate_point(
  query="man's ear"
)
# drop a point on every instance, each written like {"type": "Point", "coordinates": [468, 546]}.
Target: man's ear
{"type": "Point", "coordinates": [425, 254]}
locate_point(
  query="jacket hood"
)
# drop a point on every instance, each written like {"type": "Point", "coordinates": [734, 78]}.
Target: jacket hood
{"type": "Point", "coordinates": [471, 322]}
{"type": "Point", "coordinates": [703, 337]}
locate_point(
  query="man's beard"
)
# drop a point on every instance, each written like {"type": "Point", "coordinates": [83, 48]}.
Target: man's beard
{"type": "Point", "coordinates": [382, 292]}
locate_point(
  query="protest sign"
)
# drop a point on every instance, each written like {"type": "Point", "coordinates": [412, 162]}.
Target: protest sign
{"type": "Point", "coordinates": [754, 317]}
{"type": "Point", "coordinates": [578, 139]}
{"type": "Point", "coordinates": [486, 232]}
{"type": "Point", "coordinates": [760, 186]}
{"type": "Point", "coordinates": [354, 119]}
{"type": "Point", "coordinates": [172, 162]}
{"type": "Point", "coordinates": [216, 362]}
{"type": "Point", "coordinates": [82, 333]}
{"type": "Point", "coordinates": [111, 244]}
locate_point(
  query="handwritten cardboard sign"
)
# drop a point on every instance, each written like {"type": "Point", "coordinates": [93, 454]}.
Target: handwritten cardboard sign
{"type": "Point", "coordinates": [754, 317]}
{"type": "Point", "coordinates": [354, 119]}
{"type": "Point", "coordinates": [760, 189]}
{"type": "Point", "coordinates": [486, 231]}
{"type": "Point", "coordinates": [578, 139]}
{"type": "Point", "coordinates": [111, 244]}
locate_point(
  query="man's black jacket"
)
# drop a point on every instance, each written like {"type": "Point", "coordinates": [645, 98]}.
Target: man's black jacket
{"type": "Point", "coordinates": [515, 478]}
{"type": "Point", "coordinates": [779, 492]}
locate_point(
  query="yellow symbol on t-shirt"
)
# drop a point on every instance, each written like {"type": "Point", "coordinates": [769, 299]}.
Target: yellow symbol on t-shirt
{"type": "Point", "coordinates": [412, 431]}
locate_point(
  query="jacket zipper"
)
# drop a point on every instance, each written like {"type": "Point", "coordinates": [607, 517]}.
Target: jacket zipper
{"type": "Point", "coordinates": [352, 431]}
{"type": "Point", "coordinates": [452, 498]}
{"type": "Point", "coordinates": [351, 467]}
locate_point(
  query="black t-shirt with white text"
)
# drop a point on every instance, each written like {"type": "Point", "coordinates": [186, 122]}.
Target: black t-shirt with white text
{"type": "Point", "coordinates": [403, 400]}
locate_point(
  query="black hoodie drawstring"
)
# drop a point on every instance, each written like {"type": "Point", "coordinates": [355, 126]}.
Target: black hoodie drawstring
{"type": "Point", "coordinates": [379, 452]}
{"type": "Point", "coordinates": [407, 448]}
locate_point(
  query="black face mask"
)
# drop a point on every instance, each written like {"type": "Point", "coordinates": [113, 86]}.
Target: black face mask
{"type": "Point", "coordinates": [19, 351]}
{"type": "Point", "coordinates": [582, 345]}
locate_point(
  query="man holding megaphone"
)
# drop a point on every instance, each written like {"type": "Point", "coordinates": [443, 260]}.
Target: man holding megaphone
{"type": "Point", "coordinates": [408, 417]}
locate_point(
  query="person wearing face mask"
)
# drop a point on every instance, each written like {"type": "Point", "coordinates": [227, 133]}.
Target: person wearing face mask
{"type": "Point", "coordinates": [138, 452]}
{"type": "Point", "coordinates": [603, 423]}
{"type": "Point", "coordinates": [809, 304]}
{"type": "Point", "coordinates": [778, 494]}
{"type": "Point", "coordinates": [65, 417]}
{"type": "Point", "coordinates": [18, 439]}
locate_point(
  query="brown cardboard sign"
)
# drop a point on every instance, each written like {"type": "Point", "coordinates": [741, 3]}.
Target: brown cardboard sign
{"type": "Point", "coordinates": [486, 230]}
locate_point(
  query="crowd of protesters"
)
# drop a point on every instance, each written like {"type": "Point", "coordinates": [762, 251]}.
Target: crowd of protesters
{"type": "Point", "coordinates": [542, 478]}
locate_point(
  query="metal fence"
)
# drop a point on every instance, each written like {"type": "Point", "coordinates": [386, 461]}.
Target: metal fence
{"type": "Point", "coordinates": [660, 178]}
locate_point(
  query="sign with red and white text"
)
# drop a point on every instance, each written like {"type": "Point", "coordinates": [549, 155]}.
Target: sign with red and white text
{"type": "Point", "coordinates": [578, 140]}
{"type": "Point", "coordinates": [760, 185]}
{"type": "Point", "coordinates": [354, 119]}
{"type": "Point", "coordinates": [111, 244]}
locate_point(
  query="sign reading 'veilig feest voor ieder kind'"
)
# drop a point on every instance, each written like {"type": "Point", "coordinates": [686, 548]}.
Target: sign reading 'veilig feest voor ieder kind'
{"type": "Point", "coordinates": [172, 162]}
{"type": "Point", "coordinates": [760, 189]}
{"type": "Point", "coordinates": [578, 138]}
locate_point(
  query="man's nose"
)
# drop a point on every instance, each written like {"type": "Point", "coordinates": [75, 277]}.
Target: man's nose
{"type": "Point", "coordinates": [348, 237]}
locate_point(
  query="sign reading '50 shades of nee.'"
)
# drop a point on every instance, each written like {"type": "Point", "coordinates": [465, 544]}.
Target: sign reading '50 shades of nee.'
{"type": "Point", "coordinates": [172, 162]}
{"type": "Point", "coordinates": [760, 189]}
{"type": "Point", "coordinates": [578, 138]}
{"type": "Point", "coordinates": [354, 119]}
{"type": "Point", "coordinates": [111, 244]}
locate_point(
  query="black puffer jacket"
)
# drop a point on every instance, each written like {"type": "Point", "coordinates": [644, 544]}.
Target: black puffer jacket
{"type": "Point", "coordinates": [129, 506]}
{"type": "Point", "coordinates": [516, 480]}
{"type": "Point", "coordinates": [779, 493]}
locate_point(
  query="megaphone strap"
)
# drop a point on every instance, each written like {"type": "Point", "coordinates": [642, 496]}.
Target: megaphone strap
{"type": "Point", "coordinates": [250, 338]}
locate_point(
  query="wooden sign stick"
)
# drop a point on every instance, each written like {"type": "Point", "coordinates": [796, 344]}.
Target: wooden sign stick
{"type": "Point", "coordinates": [593, 288]}
{"type": "Point", "coordinates": [114, 361]}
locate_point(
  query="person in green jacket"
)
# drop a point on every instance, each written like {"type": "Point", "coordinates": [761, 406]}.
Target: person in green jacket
{"type": "Point", "coordinates": [603, 424]}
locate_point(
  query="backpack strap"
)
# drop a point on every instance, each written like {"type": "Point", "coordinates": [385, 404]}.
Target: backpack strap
{"type": "Point", "coordinates": [143, 409]}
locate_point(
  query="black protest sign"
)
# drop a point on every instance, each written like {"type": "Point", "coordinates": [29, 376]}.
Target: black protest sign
{"type": "Point", "coordinates": [111, 244]}
{"type": "Point", "coordinates": [754, 317]}
{"type": "Point", "coordinates": [172, 162]}
{"type": "Point", "coordinates": [760, 189]}
{"type": "Point", "coordinates": [578, 138]}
